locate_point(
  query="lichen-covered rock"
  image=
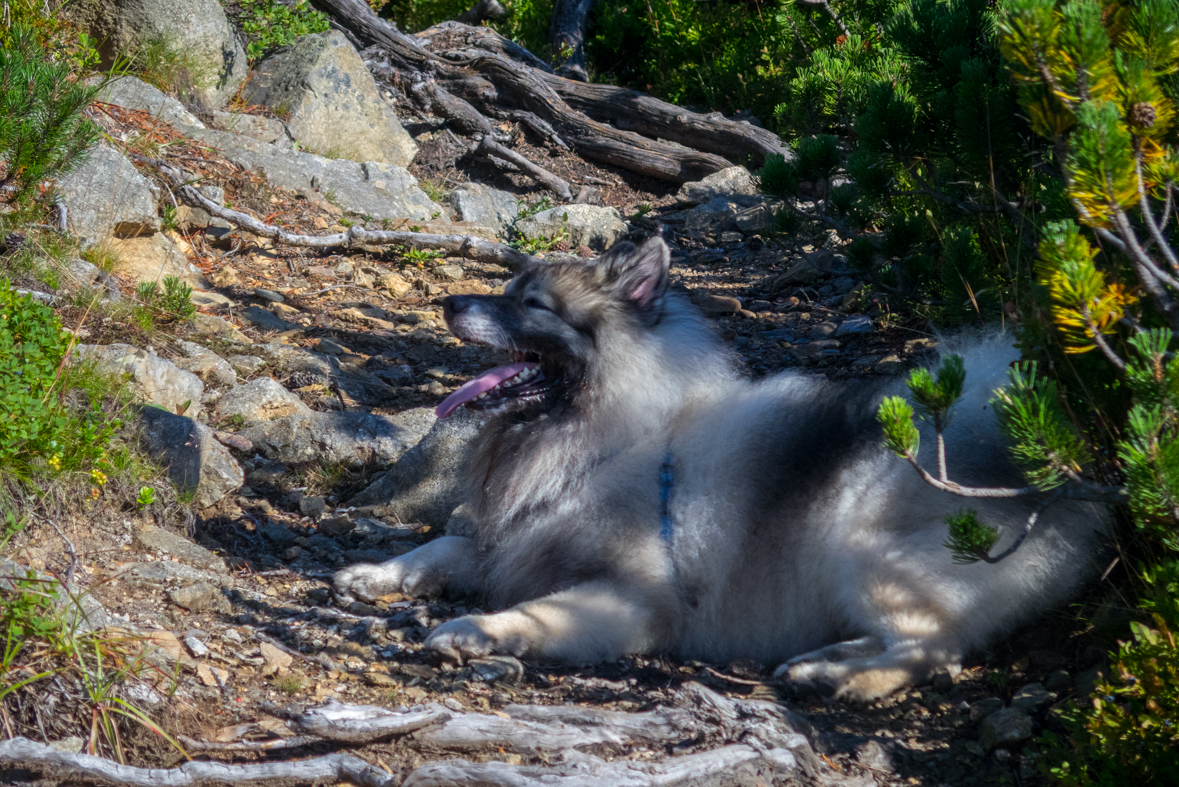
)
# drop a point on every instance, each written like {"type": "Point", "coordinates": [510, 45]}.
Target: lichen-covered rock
{"type": "Point", "coordinates": [263, 129]}
{"type": "Point", "coordinates": [107, 196]}
{"type": "Point", "coordinates": [720, 213]}
{"type": "Point", "coordinates": [350, 438]}
{"type": "Point", "coordinates": [196, 29]}
{"type": "Point", "coordinates": [1005, 729]}
{"type": "Point", "coordinates": [193, 458]}
{"type": "Point", "coordinates": [152, 379]}
{"type": "Point", "coordinates": [373, 188]}
{"type": "Point", "coordinates": [131, 93]}
{"type": "Point", "coordinates": [727, 182]}
{"type": "Point", "coordinates": [206, 364]}
{"type": "Point", "coordinates": [263, 399]}
{"type": "Point", "coordinates": [153, 257]}
{"type": "Point", "coordinates": [584, 225]}
{"type": "Point", "coordinates": [329, 101]}
{"type": "Point", "coordinates": [479, 204]}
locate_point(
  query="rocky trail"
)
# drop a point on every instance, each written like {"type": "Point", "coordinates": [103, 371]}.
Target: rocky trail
{"type": "Point", "coordinates": [295, 412]}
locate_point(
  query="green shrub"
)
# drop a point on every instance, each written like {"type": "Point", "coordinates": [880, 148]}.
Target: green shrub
{"type": "Point", "coordinates": [171, 304]}
{"type": "Point", "coordinates": [268, 24]}
{"type": "Point", "coordinates": [42, 132]}
{"type": "Point", "coordinates": [38, 432]}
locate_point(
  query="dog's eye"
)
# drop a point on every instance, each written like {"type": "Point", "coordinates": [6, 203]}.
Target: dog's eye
{"type": "Point", "coordinates": [535, 303]}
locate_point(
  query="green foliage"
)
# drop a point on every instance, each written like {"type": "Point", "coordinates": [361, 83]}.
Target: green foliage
{"type": "Point", "coordinates": [56, 34]}
{"type": "Point", "coordinates": [900, 434]}
{"type": "Point", "coordinates": [172, 304]}
{"type": "Point", "coordinates": [42, 132]}
{"type": "Point", "coordinates": [936, 393]}
{"type": "Point", "coordinates": [268, 24]}
{"type": "Point", "coordinates": [970, 539]}
{"type": "Point", "coordinates": [146, 496]}
{"type": "Point", "coordinates": [38, 433]}
{"type": "Point", "coordinates": [1130, 732]}
{"type": "Point", "coordinates": [419, 257]}
{"type": "Point", "coordinates": [1044, 442]}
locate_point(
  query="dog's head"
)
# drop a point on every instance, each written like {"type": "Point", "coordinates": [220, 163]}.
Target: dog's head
{"type": "Point", "coordinates": [551, 319]}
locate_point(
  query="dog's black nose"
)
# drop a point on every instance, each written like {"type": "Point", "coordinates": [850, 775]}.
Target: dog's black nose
{"type": "Point", "coordinates": [454, 304]}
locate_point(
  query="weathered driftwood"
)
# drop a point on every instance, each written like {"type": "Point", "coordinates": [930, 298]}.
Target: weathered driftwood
{"type": "Point", "coordinates": [725, 767]}
{"type": "Point", "coordinates": [466, 246]}
{"type": "Point", "coordinates": [489, 148]}
{"type": "Point", "coordinates": [567, 37]}
{"type": "Point", "coordinates": [21, 754]}
{"type": "Point", "coordinates": [356, 724]}
{"type": "Point", "coordinates": [511, 79]}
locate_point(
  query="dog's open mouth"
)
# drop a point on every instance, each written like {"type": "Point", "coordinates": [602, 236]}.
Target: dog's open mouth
{"type": "Point", "coordinates": [520, 381]}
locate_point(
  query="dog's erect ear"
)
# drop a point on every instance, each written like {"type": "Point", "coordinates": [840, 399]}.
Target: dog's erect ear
{"type": "Point", "coordinates": [640, 274]}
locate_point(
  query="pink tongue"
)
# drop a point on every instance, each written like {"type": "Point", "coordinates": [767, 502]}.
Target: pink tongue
{"type": "Point", "coordinates": [484, 382]}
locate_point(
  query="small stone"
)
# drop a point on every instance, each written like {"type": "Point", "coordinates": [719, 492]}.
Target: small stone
{"type": "Point", "coordinates": [492, 669]}
{"type": "Point", "coordinates": [394, 284]}
{"type": "Point", "coordinates": [1059, 681]}
{"type": "Point", "coordinates": [246, 365]}
{"type": "Point", "coordinates": [449, 272]}
{"type": "Point", "coordinates": [1032, 698]}
{"type": "Point", "coordinates": [857, 323]}
{"type": "Point", "coordinates": [873, 756]}
{"type": "Point", "coordinates": [1006, 728]}
{"type": "Point", "coordinates": [292, 553]}
{"type": "Point", "coordinates": [716, 305]}
{"type": "Point", "coordinates": [195, 646]}
{"type": "Point", "coordinates": [275, 659]}
{"type": "Point", "coordinates": [278, 533]}
{"type": "Point", "coordinates": [312, 506]}
{"type": "Point", "coordinates": [268, 295]}
{"type": "Point", "coordinates": [382, 680]}
{"type": "Point", "coordinates": [208, 675]}
{"type": "Point", "coordinates": [824, 330]}
{"type": "Point", "coordinates": [201, 597]}
{"type": "Point", "coordinates": [336, 526]}
{"type": "Point", "coordinates": [731, 237]}
{"type": "Point", "coordinates": [975, 748]}
{"type": "Point", "coordinates": [982, 708]}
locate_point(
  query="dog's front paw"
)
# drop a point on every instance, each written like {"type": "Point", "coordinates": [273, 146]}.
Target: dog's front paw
{"type": "Point", "coordinates": [400, 575]}
{"type": "Point", "coordinates": [842, 681]}
{"type": "Point", "coordinates": [461, 639]}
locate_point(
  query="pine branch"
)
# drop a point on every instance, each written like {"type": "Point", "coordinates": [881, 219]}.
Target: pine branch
{"type": "Point", "coordinates": [1148, 215]}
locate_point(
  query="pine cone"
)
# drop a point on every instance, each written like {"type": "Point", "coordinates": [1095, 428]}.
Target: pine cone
{"type": "Point", "coordinates": [561, 245]}
{"type": "Point", "coordinates": [585, 252]}
{"type": "Point", "coordinates": [12, 243]}
{"type": "Point", "coordinates": [1143, 115]}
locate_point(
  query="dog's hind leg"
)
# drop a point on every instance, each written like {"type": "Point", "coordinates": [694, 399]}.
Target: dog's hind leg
{"type": "Point", "coordinates": [448, 561]}
{"type": "Point", "coordinates": [595, 621]}
{"type": "Point", "coordinates": [864, 678]}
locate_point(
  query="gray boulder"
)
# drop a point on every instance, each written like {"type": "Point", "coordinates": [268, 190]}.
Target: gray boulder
{"type": "Point", "coordinates": [256, 127]}
{"type": "Point", "coordinates": [479, 204]}
{"type": "Point", "coordinates": [206, 364]}
{"type": "Point", "coordinates": [152, 257]}
{"type": "Point", "coordinates": [720, 213]}
{"type": "Point", "coordinates": [198, 29]}
{"type": "Point", "coordinates": [107, 196]}
{"type": "Point", "coordinates": [586, 225]}
{"type": "Point", "coordinates": [380, 190]}
{"type": "Point", "coordinates": [425, 485]}
{"type": "Point", "coordinates": [350, 438]}
{"type": "Point", "coordinates": [263, 399]}
{"type": "Point", "coordinates": [195, 461]}
{"type": "Point", "coordinates": [265, 320]}
{"type": "Point", "coordinates": [77, 274]}
{"type": "Point", "coordinates": [1005, 729]}
{"type": "Point", "coordinates": [727, 182]}
{"type": "Point", "coordinates": [131, 93]}
{"type": "Point", "coordinates": [157, 540]}
{"type": "Point", "coordinates": [152, 379]}
{"type": "Point", "coordinates": [329, 101]}
{"type": "Point", "coordinates": [356, 381]}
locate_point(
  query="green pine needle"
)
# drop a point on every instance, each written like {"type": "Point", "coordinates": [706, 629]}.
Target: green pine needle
{"type": "Point", "coordinates": [900, 435]}
{"type": "Point", "coordinates": [970, 539]}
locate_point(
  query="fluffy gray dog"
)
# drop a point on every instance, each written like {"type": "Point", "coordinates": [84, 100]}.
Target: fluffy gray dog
{"type": "Point", "coordinates": [635, 494]}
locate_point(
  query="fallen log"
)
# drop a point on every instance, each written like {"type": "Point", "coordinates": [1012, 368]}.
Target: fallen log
{"type": "Point", "coordinates": [465, 246]}
{"type": "Point", "coordinates": [511, 79]}
{"type": "Point", "coordinates": [489, 148]}
{"type": "Point", "coordinates": [730, 765]}
{"type": "Point", "coordinates": [20, 754]}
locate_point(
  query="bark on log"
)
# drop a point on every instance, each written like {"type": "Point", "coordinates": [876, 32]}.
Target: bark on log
{"type": "Point", "coordinates": [567, 37]}
{"type": "Point", "coordinates": [725, 767]}
{"type": "Point", "coordinates": [525, 87]}
{"type": "Point", "coordinates": [358, 724]}
{"type": "Point", "coordinates": [629, 109]}
{"type": "Point", "coordinates": [23, 754]}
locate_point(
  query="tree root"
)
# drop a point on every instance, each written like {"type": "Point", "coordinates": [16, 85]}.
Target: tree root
{"type": "Point", "coordinates": [488, 148]}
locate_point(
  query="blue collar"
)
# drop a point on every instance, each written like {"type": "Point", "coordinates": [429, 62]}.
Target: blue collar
{"type": "Point", "coordinates": [666, 482]}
